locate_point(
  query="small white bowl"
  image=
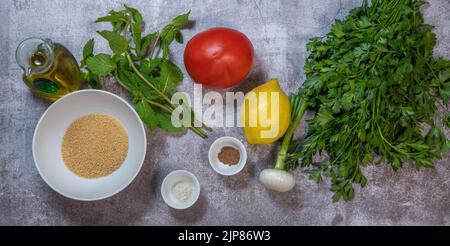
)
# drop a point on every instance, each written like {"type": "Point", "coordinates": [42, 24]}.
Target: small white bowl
{"type": "Point", "coordinates": [171, 180]}
{"type": "Point", "coordinates": [220, 167]}
{"type": "Point", "coordinates": [51, 128]}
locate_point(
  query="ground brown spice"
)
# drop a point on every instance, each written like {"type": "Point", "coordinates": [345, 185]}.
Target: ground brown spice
{"type": "Point", "coordinates": [94, 145]}
{"type": "Point", "coordinates": [229, 155]}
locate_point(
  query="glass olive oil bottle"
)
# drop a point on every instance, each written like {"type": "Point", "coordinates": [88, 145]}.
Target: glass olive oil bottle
{"type": "Point", "coordinates": [50, 70]}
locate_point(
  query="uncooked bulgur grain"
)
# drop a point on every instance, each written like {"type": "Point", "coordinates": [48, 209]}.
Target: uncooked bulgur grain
{"type": "Point", "coordinates": [94, 145]}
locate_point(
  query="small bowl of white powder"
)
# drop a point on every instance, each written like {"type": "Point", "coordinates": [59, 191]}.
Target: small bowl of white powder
{"type": "Point", "coordinates": [180, 189]}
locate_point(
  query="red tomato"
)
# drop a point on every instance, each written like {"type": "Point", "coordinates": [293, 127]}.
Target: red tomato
{"type": "Point", "coordinates": [219, 57]}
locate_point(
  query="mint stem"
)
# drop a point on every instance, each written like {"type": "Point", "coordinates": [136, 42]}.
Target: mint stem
{"type": "Point", "coordinates": [198, 131]}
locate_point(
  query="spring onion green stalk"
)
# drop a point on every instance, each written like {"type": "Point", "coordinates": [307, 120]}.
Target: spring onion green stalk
{"type": "Point", "coordinates": [279, 178]}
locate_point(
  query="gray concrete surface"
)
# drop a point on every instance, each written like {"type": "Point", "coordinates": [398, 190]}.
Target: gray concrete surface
{"type": "Point", "coordinates": [279, 31]}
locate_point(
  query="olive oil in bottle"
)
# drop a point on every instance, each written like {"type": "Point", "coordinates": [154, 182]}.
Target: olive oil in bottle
{"type": "Point", "coordinates": [50, 70]}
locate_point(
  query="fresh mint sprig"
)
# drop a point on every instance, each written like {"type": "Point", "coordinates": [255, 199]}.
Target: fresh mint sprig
{"type": "Point", "coordinates": [137, 65]}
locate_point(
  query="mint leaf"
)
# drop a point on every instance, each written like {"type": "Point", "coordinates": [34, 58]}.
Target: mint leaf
{"type": "Point", "coordinates": [94, 82]}
{"type": "Point", "coordinates": [170, 77]}
{"type": "Point", "coordinates": [165, 49]}
{"type": "Point", "coordinates": [88, 49]}
{"type": "Point", "coordinates": [91, 79]}
{"type": "Point", "coordinates": [136, 33]}
{"type": "Point", "coordinates": [147, 40]}
{"type": "Point", "coordinates": [129, 81]}
{"type": "Point", "coordinates": [137, 17]}
{"type": "Point", "coordinates": [133, 83]}
{"type": "Point", "coordinates": [167, 37]}
{"type": "Point", "coordinates": [172, 32]}
{"type": "Point", "coordinates": [113, 17]}
{"type": "Point", "coordinates": [154, 118]}
{"type": "Point", "coordinates": [181, 20]}
{"type": "Point", "coordinates": [178, 36]}
{"type": "Point", "coordinates": [151, 67]}
{"type": "Point", "coordinates": [101, 64]}
{"type": "Point", "coordinates": [165, 122]}
{"type": "Point", "coordinates": [121, 62]}
{"type": "Point", "coordinates": [117, 43]}
{"type": "Point", "coordinates": [147, 114]}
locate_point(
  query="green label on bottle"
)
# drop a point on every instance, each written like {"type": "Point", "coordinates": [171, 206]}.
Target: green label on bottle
{"type": "Point", "coordinates": [46, 85]}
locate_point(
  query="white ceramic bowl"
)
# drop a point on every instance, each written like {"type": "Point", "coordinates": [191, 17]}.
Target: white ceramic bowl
{"type": "Point", "coordinates": [49, 133]}
{"type": "Point", "coordinates": [171, 180]}
{"type": "Point", "coordinates": [220, 167]}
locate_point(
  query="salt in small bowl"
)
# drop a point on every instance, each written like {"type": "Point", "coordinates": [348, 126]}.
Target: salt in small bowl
{"type": "Point", "coordinates": [171, 180]}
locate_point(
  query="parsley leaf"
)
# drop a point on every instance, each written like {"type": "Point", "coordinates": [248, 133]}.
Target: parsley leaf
{"type": "Point", "coordinates": [373, 83]}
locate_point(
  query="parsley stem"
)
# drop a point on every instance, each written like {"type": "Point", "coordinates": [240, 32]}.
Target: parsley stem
{"type": "Point", "coordinates": [432, 71]}
{"type": "Point", "coordinates": [391, 145]}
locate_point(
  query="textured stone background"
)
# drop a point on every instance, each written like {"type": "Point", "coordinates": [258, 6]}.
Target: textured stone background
{"type": "Point", "coordinates": [279, 31]}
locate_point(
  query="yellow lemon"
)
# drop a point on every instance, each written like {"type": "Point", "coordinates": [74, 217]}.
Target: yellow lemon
{"type": "Point", "coordinates": [265, 113]}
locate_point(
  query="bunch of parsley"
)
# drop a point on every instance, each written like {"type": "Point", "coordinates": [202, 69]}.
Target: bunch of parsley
{"type": "Point", "coordinates": [375, 88]}
{"type": "Point", "coordinates": [140, 67]}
